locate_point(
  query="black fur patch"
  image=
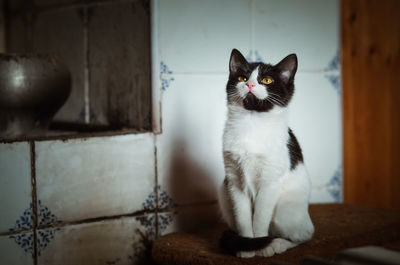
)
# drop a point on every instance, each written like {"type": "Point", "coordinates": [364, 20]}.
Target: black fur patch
{"type": "Point", "coordinates": [296, 155]}
{"type": "Point", "coordinates": [231, 242]}
{"type": "Point", "coordinates": [251, 102]}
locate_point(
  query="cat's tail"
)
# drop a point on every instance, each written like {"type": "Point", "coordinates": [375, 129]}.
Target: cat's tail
{"type": "Point", "coordinates": [231, 242]}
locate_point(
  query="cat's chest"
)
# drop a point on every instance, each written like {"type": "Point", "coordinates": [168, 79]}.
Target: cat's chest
{"type": "Point", "coordinates": [258, 135]}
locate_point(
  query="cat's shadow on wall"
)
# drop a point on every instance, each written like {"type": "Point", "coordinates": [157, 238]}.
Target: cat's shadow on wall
{"type": "Point", "coordinates": [192, 189]}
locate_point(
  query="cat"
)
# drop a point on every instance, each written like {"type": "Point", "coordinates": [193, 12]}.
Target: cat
{"type": "Point", "coordinates": [265, 194]}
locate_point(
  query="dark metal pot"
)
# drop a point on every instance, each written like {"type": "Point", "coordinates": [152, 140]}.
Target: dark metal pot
{"type": "Point", "coordinates": [32, 89]}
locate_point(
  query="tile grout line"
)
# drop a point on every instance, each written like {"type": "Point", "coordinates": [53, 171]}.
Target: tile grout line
{"type": "Point", "coordinates": [112, 217]}
{"type": "Point", "coordinates": [23, 231]}
{"type": "Point", "coordinates": [219, 73]}
{"type": "Point", "coordinates": [34, 198]}
{"type": "Point", "coordinates": [252, 30]}
{"type": "Point", "coordinates": [95, 219]}
{"type": "Point", "coordinates": [156, 183]}
{"type": "Point", "coordinates": [78, 136]}
{"type": "Point", "coordinates": [75, 5]}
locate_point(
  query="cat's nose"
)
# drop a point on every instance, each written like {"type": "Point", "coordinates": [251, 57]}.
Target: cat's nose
{"type": "Point", "coordinates": [250, 85]}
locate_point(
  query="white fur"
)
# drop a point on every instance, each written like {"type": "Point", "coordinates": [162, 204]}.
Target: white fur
{"type": "Point", "coordinates": [265, 197]}
{"type": "Point", "coordinates": [286, 74]}
{"type": "Point", "coordinates": [259, 90]}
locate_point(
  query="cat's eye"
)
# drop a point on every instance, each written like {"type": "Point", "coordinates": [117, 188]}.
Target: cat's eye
{"type": "Point", "coordinates": [242, 79]}
{"type": "Point", "coordinates": [267, 80]}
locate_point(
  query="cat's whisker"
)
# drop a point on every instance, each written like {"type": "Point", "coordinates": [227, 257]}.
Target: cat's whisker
{"type": "Point", "coordinates": [273, 101]}
{"type": "Point", "coordinates": [275, 97]}
{"type": "Point", "coordinates": [276, 100]}
{"type": "Point", "coordinates": [272, 93]}
{"type": "Point", "coordinates": [235, 97]}
{"type": "Point", "coordinates": [269, 100]}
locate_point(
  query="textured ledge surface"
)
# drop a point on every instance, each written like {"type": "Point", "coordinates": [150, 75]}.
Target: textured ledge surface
{"type": "Point", "coordinates": [338, 227]}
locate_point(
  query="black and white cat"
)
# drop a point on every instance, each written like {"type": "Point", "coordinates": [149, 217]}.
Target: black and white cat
{"type": "Point", "coordinates": [265, 194]}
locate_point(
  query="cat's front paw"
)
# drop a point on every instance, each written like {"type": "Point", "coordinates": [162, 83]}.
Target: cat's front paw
{"type": "Point", "coordinates": [245, 254]}
{"type": "Point", "coordinates": [265, 252]}
{"type": "Point", "coordinates": [277, 246]}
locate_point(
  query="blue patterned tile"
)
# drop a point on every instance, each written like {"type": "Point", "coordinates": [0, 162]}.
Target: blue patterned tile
{"type": "Point", "coordinates": [164, 76]}
{"type": "Point", "coordinates": [150, 204]}
{"type": "Point", "coordinates": [335, 186]}
{"type": "Point", "coordinates": [258, 56]}
{"type": "Point", "coordinates": [24, 222]}
{"type": "Point", "coordinates": [254, 54]}
{"type": "Point", "coordinates": [249, 56]}
{"type": "Point", "coordinates": [335, 81]}
{"type": "Point", "coordinates": [152, 226]}
{"type": "Point", "coordinates": [149, 224]}
{"type": "Point", "coordinates": [25, 241]}
{"type": "Point", "coordinates": [164, 220]}
{"type": "Point", "coordinates": [44, 237]}
{"type": "Point", "coordinates": [332, 72]}
{"type": "Point", "coordinates": [334, 64]}
{"type": "Point", "coordinates": [46, 217]}
{"type": "Point", "coordinates": [164, 200]}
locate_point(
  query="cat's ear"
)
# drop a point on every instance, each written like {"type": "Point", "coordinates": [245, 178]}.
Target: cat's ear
{"type": "Point", "coordinates": [236, 61]}
{"type": "Point", "coordinates": [287, 67]}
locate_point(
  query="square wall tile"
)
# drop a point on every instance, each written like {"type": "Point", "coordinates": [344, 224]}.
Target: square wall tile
{"type": "Point", "coordinates": [323, 195]}
{"type": "Point", "coordinates": [189, 150]}
{"type": "Point", "coordinates": [198, 36]}
{"type": "Point", "coordinates": [61, 33]}
{"type": "Point", "coordinates": [17, 249]}
{"type": "Point", "coordinates": [94, 177]}
{"type": "Point", "coordinates": [315, 117]}
{"type": "Point", "coordinates": [120, 241]}
{"type": "Point", "coordinates": [15, 187]}
{"type": "Point", "coordinates": [309, 28]}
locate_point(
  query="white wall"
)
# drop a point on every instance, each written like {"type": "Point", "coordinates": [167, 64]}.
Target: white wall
{"type": "Point", "coordinates": [192, 44]}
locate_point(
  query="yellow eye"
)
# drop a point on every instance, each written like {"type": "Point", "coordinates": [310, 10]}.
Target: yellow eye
{"type": "Point", "coordinates": [267, 80]}
{"type": "Point", "coordinates": [242, 79]}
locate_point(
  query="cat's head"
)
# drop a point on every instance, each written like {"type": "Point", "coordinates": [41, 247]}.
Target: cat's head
{"type": "Point", "coordinates": [258, 86]}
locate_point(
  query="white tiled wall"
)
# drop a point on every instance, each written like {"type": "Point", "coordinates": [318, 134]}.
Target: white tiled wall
{"type": "Point", "coordinates": [309, 28]}
{"type": "Point", "coordinates": [315, 117]}
{"type": "Point", "coordinates": [189, 149]}
{"type": "Point", "coordinates": [95, 177]}
{"type": "Point", "coordinates": [120, 241]}
{"type": "Point", "coordinates": [13, 253]}
{"type": "Point", "coordinates": [193, 35]}
{"type": "Point", "coordinates": [15, 187]}
{"type": "Point", "coordinates": [95, 200]}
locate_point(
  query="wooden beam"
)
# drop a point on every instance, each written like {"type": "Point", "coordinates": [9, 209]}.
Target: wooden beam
{"type": "Point", "coordinates": [371, 102]}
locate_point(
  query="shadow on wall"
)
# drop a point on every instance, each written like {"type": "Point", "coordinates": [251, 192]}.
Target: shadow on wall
{"type": "Point", "coordinates": [193, 189]}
